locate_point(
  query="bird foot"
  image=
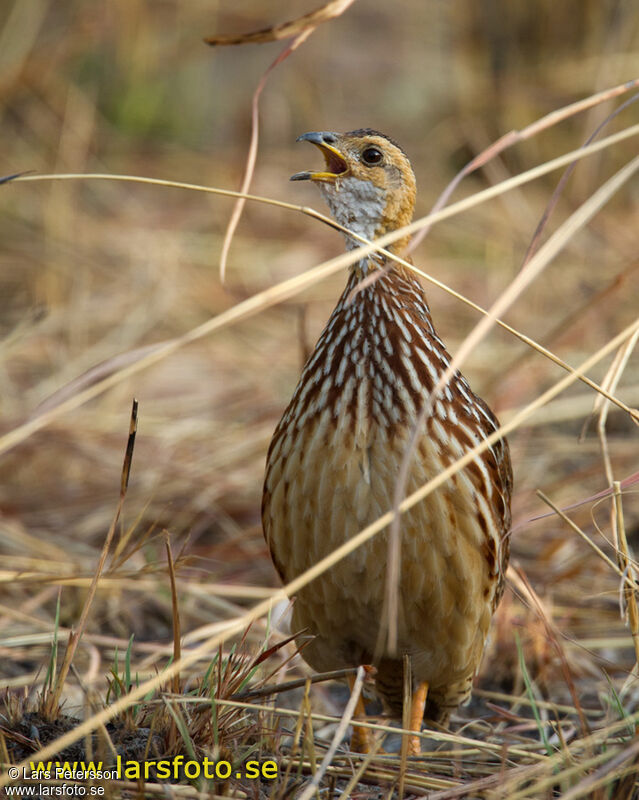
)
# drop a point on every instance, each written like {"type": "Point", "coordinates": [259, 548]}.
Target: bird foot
{"type": "Point", "coordinates": [414, 746]}
{"type": "Point", "coordinates": [362, 740]}
{"type": "Point", "coordinates": [416, 717]}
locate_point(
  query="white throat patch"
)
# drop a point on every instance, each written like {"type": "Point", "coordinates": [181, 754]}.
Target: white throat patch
{"type": "Point", "coordinates": [355, 204]}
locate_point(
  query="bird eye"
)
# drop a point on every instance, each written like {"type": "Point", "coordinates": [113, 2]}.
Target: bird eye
{"type": "Point", "coordinates": [372, 156]}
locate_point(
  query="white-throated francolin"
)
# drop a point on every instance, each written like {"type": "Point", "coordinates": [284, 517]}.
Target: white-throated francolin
{"type": "Point", "coordinates": [334, 459]}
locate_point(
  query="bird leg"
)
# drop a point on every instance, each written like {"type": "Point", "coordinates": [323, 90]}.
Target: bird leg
{"type": "Point", "coordinates": [417, 706]}
{"type": "Point", "coordinates": [362, 738]}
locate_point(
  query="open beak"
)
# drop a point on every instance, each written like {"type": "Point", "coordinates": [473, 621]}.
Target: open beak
{"type": "Point", "coordinates": [335, 163]}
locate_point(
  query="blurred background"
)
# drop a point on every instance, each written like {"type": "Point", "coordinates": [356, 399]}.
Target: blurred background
{"type": "Point", "coordinates": [92, 269]}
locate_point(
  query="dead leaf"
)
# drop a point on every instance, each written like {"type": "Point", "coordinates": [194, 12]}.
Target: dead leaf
{"type": "Point", "coordinates": [285, 30]}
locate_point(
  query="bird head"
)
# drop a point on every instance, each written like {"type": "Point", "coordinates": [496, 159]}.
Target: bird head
{"type": "Point", "coordinates": [367, 181]}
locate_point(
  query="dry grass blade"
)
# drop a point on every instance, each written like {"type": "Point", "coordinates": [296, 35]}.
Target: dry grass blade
{"type": "Point", "coordinates": [286, 30]}
{"type": "Point", "coordinates": [602, 407]}
{"type": "Point", "coordinates": [513, 137]}
{"type": "Point", "coordinates": [94, 375]}
{"type": "Point", "coordinates": [177, 634]}
{"type": "Point", "coordinates": [552, 203]}
{"type": "Point", "coordinates": [280, 292]}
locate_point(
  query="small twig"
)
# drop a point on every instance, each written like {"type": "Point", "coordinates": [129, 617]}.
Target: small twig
{"type": "Point", "coordinates": [7, 178]}
{"type": "Point", "coordinates": [277, 688]}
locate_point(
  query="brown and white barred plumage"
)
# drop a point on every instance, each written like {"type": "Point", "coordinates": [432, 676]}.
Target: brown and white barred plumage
{"type": "Point", "coordinates": [334, 459]}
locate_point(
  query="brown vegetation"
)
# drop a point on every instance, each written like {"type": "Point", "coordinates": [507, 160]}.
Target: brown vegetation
{"type": "Point", "coordinates": [94, 273]}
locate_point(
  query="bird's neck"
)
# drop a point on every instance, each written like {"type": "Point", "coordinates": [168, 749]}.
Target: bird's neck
{"type": "Point", "coordinates": [374, 262]}
{"type": "Point", "coordinates": [366, 210]}
{"type": "Point", "coordinates": [384, 295]}
{"type": "Point", "coordinates": [373, 275]}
